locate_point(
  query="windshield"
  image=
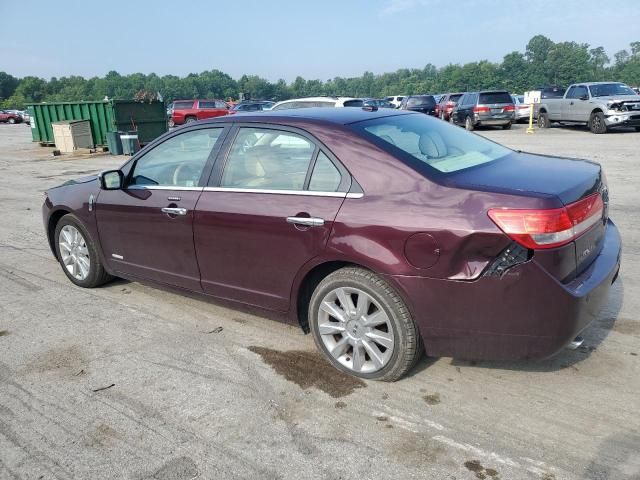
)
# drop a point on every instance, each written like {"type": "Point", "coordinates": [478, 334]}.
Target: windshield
{"type": "Point", "coordinates": [610, 89]}
{"type": "Point", "coordinates": [437, 144]}
{"type": "Point", "coordinates": [494, 97]}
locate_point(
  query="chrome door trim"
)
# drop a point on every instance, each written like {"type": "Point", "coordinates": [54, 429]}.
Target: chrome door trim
{"type": "Point", "coordinates": [306, 221]}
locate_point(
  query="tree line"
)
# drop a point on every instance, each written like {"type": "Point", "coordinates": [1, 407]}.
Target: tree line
{"type": "Point", "coordinates": [543, 62]}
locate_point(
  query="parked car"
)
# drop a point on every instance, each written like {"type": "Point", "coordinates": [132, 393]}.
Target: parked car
{"type": "Point", "coordinates": [446, 104]}
{"type": "Point", "coordinates": [380, 232]}
{"type": "Point", "coordinates": [377, 102]}
{"type": "Point", "coordinates": [599, 105]}
{"type": "Point", "coordinates": [486, 108]}
{"type": "Point", "coordinates": [311, 102]}
{"type": "Point", "coordinates": [251, 106]}
{"type": "Point", "coordinates": [395, 100]}
{"type": "Point", "coordinates": [419, 103]}
{"type": "Point", "coordinates": [10, 117]}
{"type": "Point", "coordinates": [187, 111]}
{"type": "Point", "coordinates": [522, 110]}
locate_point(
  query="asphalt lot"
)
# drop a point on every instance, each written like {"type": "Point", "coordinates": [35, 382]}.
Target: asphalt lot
{"type": "Point", "coordinates": [199, 390]}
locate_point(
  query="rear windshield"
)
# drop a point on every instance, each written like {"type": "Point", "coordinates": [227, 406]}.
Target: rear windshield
{"type": "Point", "coordinates": [606, 89]}
{"type": "Point", "coordinates": [421, 100]}
{"type": "Point", "coordinates": [455, 98]}
{"type": "Point", "coordinates": [552, 92]}
{"type": "Point", "coordinates": [354, 103]}
{"type": "Point", "coordinates": [434, 143]}
{"type": "Point", "coordinates": [495, 97]}
{"type": "Point", "coordinates": [182, 105]}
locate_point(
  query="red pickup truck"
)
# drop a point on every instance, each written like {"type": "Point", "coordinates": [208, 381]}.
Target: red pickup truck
{"type": "Point", "coordinates": [187, 111]}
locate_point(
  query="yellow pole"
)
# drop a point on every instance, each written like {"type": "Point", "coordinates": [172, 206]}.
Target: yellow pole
{"type": "Point", "coordinates": [530, 129]}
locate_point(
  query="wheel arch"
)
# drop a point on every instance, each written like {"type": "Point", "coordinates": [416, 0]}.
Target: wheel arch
{"type": "Point", "coordinates": [54, 218]}
{"type": "Point", "coordinates": [307, 281]}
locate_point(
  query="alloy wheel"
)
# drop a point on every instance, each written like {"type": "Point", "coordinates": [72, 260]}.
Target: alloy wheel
{"type": "Point", "coordinates": [355, 330]}
{"type": "Point", "coordinates": [74, 252]}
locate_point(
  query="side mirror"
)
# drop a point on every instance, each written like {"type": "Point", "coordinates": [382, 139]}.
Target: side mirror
{"type": "Point", "coordinates": [111, 180]}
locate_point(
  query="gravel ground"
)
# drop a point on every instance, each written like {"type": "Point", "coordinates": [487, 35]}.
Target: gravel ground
{"type": "Point", "coordinates": [128, 381]}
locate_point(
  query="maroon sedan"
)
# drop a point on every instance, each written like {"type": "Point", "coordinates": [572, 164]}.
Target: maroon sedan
{"type": "Point", "coordinates": [383, 233]}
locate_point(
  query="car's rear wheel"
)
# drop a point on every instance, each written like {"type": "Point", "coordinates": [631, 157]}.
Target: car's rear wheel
{"type": "Point", "coordinates": [507, 126]}
{"type": "Point", "coordinates": [543, 120]}
{"type": "Point", "coordinates": [77, 254]}
{"type": "Point", "coordinates": [362, 325]}
{"type": "Point", "coordinates": [190, 119]}
{"type": "Point", "coordinates": [442, 117]}
{"type": "Point", "coordinates": [12, 121]}
{"type": "Point", "coordinates": [468, 124]}
{"type": "Point", "coordinates": [597, 123]}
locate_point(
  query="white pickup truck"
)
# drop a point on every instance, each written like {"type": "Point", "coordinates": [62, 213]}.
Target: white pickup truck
{"type": "Point", "coordinates": [599, 105]}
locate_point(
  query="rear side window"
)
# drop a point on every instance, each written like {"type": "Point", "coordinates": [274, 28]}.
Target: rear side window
{"type": "Point", "coordinates": [423, 141]}
{"type": "Point", "coordinates": [268, 159]}
{"type": "Point", "coordinates": [182, 105]}
{"type": "Point", "coordinates": [495, 97]}
{"type": "Point", "coordinates": [325, 176]}
{"type": "Point", "coordinates": [455, 98]}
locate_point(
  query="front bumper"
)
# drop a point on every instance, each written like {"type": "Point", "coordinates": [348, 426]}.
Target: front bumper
{"type": "Point", "coordinates": [624, 119]}
{"type": "Point", "coordinates": [524, 314]}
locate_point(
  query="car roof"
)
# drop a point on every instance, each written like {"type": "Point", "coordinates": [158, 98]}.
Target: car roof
{"type": "Point", "coordinates": [339, 116]}
{"type": "Point", "coordinates": [589, 84]}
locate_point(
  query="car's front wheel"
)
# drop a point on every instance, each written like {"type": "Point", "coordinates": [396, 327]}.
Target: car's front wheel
{"type": "Point", "coordinates": [77, 254]}
{"type": "Point", "coordinates": [597, 123]}
{"type": "Point", "coordinates": [12, 121]}
{"type": "Point", "coordinates": [362, 325]}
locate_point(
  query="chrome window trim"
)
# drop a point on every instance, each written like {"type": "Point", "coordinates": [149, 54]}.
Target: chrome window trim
{"type": "Point", "coordinates": [308, 193]}
{"type": "Point", "coordinates": [164, 187]}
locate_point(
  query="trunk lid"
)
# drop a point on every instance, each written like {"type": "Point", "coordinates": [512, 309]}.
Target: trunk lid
{"type": "Point", "coordinates": [559, 180]}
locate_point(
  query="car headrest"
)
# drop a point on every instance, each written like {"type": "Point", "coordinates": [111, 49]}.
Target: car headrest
{"type": "Point", "coordinates": [432, 145]}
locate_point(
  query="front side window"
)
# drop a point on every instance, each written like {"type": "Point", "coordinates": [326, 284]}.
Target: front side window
{"type": "Point", "coordinates": [268, 159]}
{"type": "Point", "coordinates": [437, 144]}
{"type": "Point", "coordinates": [178, 161]}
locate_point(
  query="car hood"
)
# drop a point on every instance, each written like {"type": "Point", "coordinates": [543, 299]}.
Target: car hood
{"type": "Point", "coordinates": [619, 98]}
{"type": "Point", "coordinates": [77, 181]}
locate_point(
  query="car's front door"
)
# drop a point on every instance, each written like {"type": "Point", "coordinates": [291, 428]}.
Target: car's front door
{"type": "Point", "coordinates": [269, 209]}
{"type": "Point", "coordinates": [146, 228]}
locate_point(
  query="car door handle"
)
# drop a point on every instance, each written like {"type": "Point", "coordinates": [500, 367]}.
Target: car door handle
{"type": "Point", "coordinates": [306, 221]}
{"type": "Point", "coordinates": [174, 210]}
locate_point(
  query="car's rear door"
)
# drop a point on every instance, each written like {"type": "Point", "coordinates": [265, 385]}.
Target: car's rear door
{"type": "Point", "coordinates": [268, 210]}
{"type": "Point", "coordinates": [146, 228]}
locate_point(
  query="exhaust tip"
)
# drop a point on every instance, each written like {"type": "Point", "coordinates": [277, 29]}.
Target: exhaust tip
{"type": "Point", "coordinates": [576, 343]}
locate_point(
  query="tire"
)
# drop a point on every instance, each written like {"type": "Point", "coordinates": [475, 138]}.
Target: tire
{"type": "Point", "coordinates": [596, 123]}
{"type": "Point", "coordinates": [442, 117]}
{"type": "Point", "coordinates": [402, 346]}
{"type": "Point", "coordinates": [451, 121]}
{"type": "Point", "coordinates": [190, 119]}
{"type": "Point", "coordinates": [12, 121]}
{"type": "Point", "coordinates": [543, 120]}
{"type": "Point", "coordinates": [96, 275]}
{"type": "Point", "coordinates": [468, 124]}
{"type": "Point", "coordinates": [507, 126]}
{"type": "Point", "coordinates": [637, 129]}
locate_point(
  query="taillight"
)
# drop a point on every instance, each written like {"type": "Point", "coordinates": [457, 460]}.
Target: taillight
{"type": "Point", "coordinates": [549, 228]}
{"type": "Point", "coordinates": [481, 109]}
{"type": "Point", "coordinates": [509, 108]}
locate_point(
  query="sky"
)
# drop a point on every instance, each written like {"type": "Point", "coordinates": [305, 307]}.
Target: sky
{"type": "Point", "coordinates": [275, 39]}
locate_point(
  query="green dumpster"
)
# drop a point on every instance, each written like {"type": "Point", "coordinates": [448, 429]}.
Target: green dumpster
{"type": "Point", "coordinates": [148, 119]}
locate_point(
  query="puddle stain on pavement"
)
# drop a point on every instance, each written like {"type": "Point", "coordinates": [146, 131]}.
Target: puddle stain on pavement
{"type": "Point", "coordinates": [309, 369]}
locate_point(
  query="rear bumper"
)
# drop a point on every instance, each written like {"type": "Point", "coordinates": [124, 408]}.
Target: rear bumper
{"type": "Point", "coordinates": [525, 314]}
{"type": "Point", "coordinates": [494, 121]}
